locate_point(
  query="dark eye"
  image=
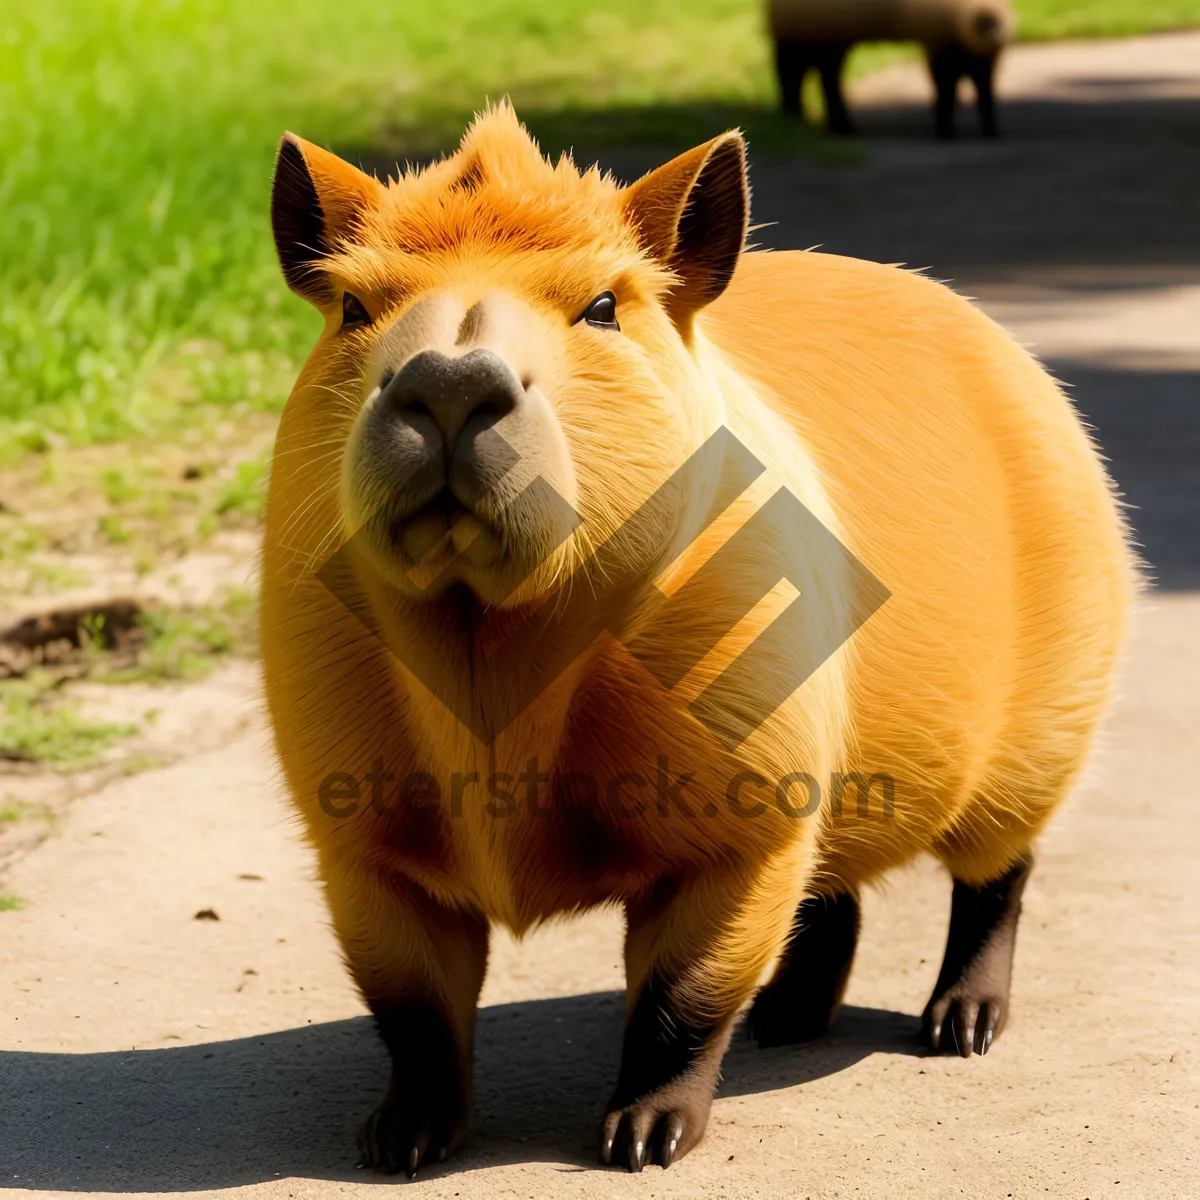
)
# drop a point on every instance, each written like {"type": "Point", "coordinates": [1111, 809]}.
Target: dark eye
{"type": "Point", "coordinates": [353, 312]}
{"type": "Point", "coordinates": [602, 312]}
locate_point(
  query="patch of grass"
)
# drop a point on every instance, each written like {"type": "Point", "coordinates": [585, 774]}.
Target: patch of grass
{"type": "Point", "coordinates": [14, 810]}
{"type": "Point", "coordinates": [18, 538]}
{"type": "Point", "coordinates": [140, 286]}
{"type": "Point", "coordinates": [182, 646]}
{"type": "Point", "coordinates": [93, 634]}
{"type": "Point", "coordinates": [36, 726]}
{"type": "Point", "coordinates": [11, 903]}
{"type": "Point", "coordinates": [245, 493]}
{"type": "Point", "coordinates": [1044, 20]}
{"type": "Point", "coordinates": [23, 565]}
{"type": "Point", "coordinates": [53, 577]}
{"type": "Point", "coordinates": [187, 645]}
{"type": "Point", "coordinates": [118, 488]}
{"type": "Point", "coordinates": [113, 529]}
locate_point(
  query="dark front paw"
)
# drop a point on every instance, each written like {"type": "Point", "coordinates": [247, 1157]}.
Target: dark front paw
{"type": "Point", "coordinates": [427, 1108]}
{"type": "Point", "coordinates": [658, 1128]}
{"type": "Point", "coordinates": [668, 1074]}
{"type": "Point", "coordinates": [404, 1132]}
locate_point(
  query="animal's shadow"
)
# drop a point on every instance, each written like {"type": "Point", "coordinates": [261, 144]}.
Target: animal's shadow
{"type": "Point", "coordinates": [287, 1104]}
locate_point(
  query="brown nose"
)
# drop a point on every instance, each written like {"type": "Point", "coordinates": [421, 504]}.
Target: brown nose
{"type": "Point", "coordinates": [459, 395]}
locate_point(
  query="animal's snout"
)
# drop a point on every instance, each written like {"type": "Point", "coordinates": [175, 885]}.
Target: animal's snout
{"type": "Point", "coordinates": [449, 399]}
{"type": "Point", "coordinates": [429, 437]}
{"type": "Point", "coordinates": [457, 466]}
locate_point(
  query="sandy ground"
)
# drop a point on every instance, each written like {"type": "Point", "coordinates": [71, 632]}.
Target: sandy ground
{"type": "Point", "coordinates": [144, 1050]}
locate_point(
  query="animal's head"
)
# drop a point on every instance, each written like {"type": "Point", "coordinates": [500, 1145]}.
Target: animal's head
{"type": "Point", "coordinates": [986, 26]}
{"type": "Point", "coordinates": [507, 367]}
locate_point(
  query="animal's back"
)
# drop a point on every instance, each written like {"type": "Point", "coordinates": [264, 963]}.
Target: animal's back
{"type": "Point", "coordinates": [964, 480]}
{"type": "Point", "coordinates": [839, 21]}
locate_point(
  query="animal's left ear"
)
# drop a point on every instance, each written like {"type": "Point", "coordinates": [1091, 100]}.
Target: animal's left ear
{"type": "Point", "coordinates": [692, 215]}
{"type": "Point", "coordinates": [317, 201]}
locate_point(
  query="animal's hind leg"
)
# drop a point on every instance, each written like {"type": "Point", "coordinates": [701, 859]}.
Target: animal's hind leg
{"type": "Point", "coordinates": [946, 67]}
{"type": "Point", "coordinates": [983, 71]}
{"type": "Point", "coordinates": [803, 997]}
{"type": "Point", "coordinates": [969, 1004]}
{"type": "Point", "coordinates": [830, 62]}
{"type": "Point", "coordinates": [792, 64]}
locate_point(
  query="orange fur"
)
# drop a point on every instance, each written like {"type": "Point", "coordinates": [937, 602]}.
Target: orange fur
{"type": "Point", "coordinates": [913, 427]}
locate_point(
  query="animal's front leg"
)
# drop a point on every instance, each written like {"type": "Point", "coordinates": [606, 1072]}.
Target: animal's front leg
{"type": "Point", "coordinates": [669, 1067]}
{"type": "Point", "coordinates": [693, 952]}
{"type": "Point", "coordinates": [419, 966]}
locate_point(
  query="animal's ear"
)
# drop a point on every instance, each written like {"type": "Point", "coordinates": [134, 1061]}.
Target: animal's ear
{"type": "Point", "coordinates": [692, 215]}
{"type": "Point", "coordinates": [317, 201]}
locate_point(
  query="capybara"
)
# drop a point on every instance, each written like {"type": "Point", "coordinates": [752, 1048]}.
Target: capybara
{"type": "Point", "coordinates": [606, 563]}
{"type": "Point", "coordinates": [962, 38]}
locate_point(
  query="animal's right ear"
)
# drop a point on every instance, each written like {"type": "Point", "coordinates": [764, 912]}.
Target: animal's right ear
{"type": "Point", "coordinates": [692, 215]}
{"type": "Point", "coordinates": [317, 202]}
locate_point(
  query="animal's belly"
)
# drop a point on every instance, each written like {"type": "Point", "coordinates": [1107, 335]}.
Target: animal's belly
{"type": "Point", "coordinates": [518, 867]}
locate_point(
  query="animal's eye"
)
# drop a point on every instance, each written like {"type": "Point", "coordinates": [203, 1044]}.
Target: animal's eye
{"type": "Point", "coordinates": [602, 312]}
{"type": "Point", "coordinates": [353, 312]}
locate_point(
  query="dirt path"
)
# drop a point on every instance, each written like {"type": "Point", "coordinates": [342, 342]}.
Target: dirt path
{"type": "Point", "coordinates": [145, 1050]}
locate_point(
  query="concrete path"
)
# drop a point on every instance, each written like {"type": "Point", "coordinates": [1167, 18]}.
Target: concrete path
{"type": "Point", "coordinates": [145, 1050]}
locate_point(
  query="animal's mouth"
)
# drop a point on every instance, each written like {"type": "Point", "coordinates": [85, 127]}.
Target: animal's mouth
{"type": "Point", "coordinates": [442, 495]}
{"type": "Point", "coordinates": [430, 540]}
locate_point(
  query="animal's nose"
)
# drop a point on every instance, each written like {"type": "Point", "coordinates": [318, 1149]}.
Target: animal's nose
{"type": "Point", "coordinates": [475, 391]}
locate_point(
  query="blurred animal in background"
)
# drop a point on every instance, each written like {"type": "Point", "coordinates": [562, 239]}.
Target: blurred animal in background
{"type": "Point", "coordinates": [961, 38]}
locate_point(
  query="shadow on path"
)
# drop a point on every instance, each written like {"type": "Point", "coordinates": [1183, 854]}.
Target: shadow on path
{"type": "Point", "coordinates": [287, 1104]}
{"type": "Point", "coordinates": [1148, 425]}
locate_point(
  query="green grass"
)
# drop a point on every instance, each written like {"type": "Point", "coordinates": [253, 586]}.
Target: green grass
{"type": "Point", "coordinates": [39, 725]}
{"type": "Point", "coordinates": [186, 646]}
{"type": "Point", "coordinates": [1043, 20]}
{"type": "Point", "coordinates": [140, 293]}
{"type": "Point", "coordinates": [11, 903]}
{"type": "Point", "coordinates": [14, 810]}
{"type": "Point", "coordinates": [36, 727]}
{"type": "Point", "coordinates": [245, 493]}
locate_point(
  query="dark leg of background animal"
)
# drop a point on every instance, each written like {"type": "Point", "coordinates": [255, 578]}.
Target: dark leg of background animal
{"type": "Point", "coordinates": [792, 63]}
{"type": "Point", "coordinates": [804, 994]}
{"type": "Point", "coordinates": [982, 72]}
{"type": "Point", "coordinates": [970, 1002]}
{"type": "Point", "coordinates": [830, 62]}
{"type": "Point", "coordinates": [947, 67]}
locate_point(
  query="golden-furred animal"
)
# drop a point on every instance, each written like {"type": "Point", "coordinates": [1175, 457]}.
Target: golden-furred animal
{"type": "Point", "coordinates": [962, 38]}
{"type": "Point", "coordinates": [563, 463]}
